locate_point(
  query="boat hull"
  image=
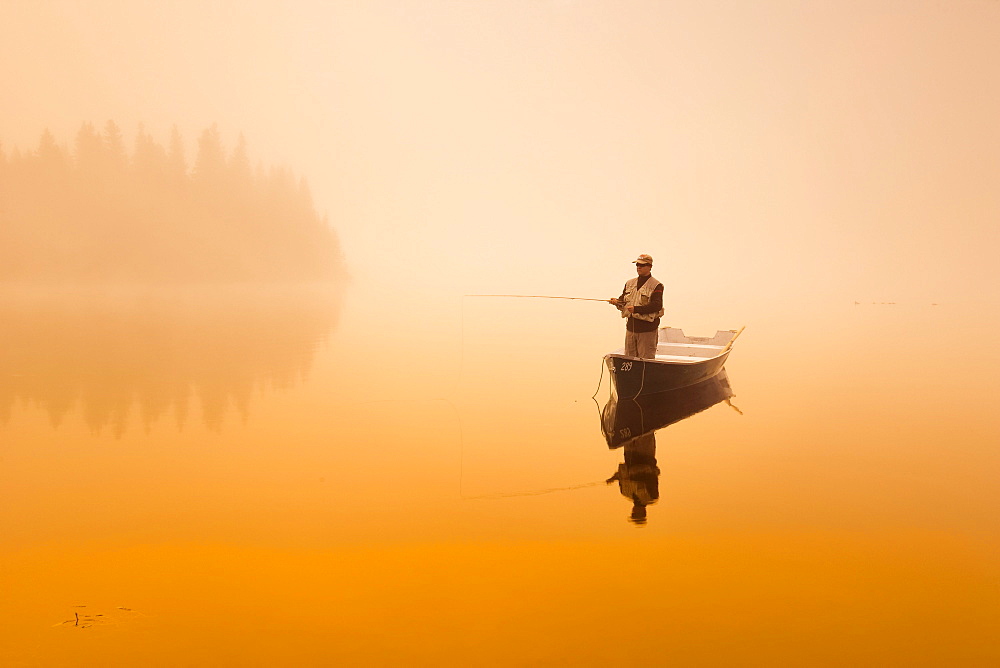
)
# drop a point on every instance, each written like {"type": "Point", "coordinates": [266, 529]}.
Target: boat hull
{"type": "Point", "coordinates": [632, 377]}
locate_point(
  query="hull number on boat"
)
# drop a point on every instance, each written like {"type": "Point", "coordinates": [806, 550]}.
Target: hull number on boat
{"type": "Point", "coordinates": [626, 366]}
{"type": "Point", "coordinates": [625, 433]}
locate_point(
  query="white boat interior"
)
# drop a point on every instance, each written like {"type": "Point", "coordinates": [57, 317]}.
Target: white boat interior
{"type": "Point", "coordinates": [677, 348]}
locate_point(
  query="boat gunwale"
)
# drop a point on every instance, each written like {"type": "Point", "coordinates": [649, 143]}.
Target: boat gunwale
{"type": "Point", "coordinates": [694, 359]}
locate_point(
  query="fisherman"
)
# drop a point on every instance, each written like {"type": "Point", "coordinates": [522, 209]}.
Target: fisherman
{"type": "Point", "coordinates": [641, 303]}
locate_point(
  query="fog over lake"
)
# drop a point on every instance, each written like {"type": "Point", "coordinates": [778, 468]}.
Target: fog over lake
{"type": "Point", "coordinates": [253, 412]}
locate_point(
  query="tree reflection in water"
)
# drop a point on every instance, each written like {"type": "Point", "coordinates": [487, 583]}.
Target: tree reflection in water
{"type": "Point", "coordinates": [110, 350]}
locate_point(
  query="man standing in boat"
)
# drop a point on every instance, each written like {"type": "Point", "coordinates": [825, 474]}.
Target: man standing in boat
{"type": "Point", "coordinates": [641, 303]}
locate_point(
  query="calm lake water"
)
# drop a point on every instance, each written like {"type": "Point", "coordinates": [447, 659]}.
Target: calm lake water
{"type": "Point", "coordinates": [288, 477]}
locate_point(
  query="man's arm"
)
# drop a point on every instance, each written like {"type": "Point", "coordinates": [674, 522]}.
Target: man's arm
{"type": "Point", "coordinates": [618, 301]}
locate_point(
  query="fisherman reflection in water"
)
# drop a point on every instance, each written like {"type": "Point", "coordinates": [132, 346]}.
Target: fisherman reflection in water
{"type": "Point", "coordinates": [641, 303]}
{"type": "Point", "coordinates": [639, 477]}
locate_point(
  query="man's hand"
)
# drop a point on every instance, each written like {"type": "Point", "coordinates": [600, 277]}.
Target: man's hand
{"type": "Point", "coordinates": [613, 300]}
{"type": "Point", "coordinates": [630, 309]}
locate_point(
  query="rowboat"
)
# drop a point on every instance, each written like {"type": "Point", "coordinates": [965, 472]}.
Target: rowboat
{"type": "Point", "coordinates": [625, 420]}
{"type": "Point", "coordinates": [680, 361]}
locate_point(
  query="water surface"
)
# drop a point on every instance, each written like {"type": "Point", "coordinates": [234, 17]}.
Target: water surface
{"type": "Point", "coordinates": [280, 477]}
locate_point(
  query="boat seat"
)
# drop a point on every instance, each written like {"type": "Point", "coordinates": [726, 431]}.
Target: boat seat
{"type": "Point", "coordinates": [680, 358]}
{"type": "Point", "coordinates": [705, 346]}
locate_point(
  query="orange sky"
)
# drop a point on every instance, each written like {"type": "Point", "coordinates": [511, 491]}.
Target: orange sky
{"type": "Point", "coordinates": [780, 149]}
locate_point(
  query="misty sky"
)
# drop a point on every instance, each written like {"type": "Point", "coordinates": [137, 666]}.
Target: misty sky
{"type": "Point", "coordinates": [848, 150]}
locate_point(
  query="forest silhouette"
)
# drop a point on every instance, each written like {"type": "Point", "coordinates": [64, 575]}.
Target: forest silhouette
{"type": "Point", "coordinates": [98, 213]}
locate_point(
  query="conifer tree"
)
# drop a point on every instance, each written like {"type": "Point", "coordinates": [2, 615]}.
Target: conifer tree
{"type": "Point", "coordinates": [50, 156]}
{"type": "Point", "coordinates": [176, 162]}
{"type": "Point", "coordinates": [210, 162]}
{"type": "Point", "coordinates": [149, 160]}
{"type": "Point", "coordinates": [114, 148]}
{"type": "Point", "coordinates": [239, 163]}
{"type": "Point", "coordinates": [88, 150]}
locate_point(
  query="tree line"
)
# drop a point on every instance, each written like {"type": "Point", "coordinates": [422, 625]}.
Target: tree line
{"type": "Point", "coordinates": [97, 212]}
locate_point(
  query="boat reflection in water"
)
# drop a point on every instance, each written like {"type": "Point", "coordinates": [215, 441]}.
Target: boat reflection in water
{"type": "Point", "coordinates": [632, 423]}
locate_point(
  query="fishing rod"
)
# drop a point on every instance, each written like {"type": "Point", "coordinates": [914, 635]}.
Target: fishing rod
{"type": "Point", "coordinates": [585, 299]}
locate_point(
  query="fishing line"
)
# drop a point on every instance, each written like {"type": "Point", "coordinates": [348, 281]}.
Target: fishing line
{"type": "Point", "coordinates": [585, 299]}
{"type": "Point", "coordinates": [462, 327]}
{"type": "Point", "coordinates": [538, 492]}
{"type": "Point", "coordinates": [599, 382]}
{"type": "Point", "coordinates": [461, 375]}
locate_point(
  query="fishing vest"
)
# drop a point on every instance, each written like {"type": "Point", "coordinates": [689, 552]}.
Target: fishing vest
{"type": "Point", "coordinates": [635, 296]}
